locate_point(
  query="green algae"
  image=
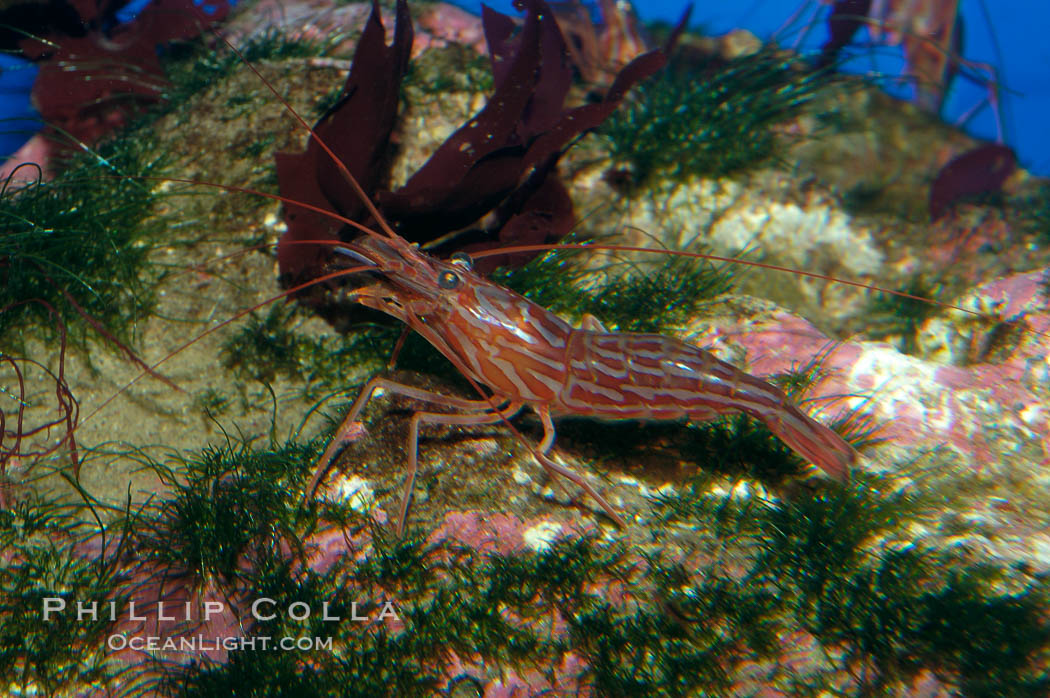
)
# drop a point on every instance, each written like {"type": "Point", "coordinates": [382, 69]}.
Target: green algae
{"type": "Point", "coordinates": [37, 546]}
{"type": "Point", "coordinates": [78, 244]}
{"type": "Point", "coordinates": [834, 563]}
{"type": "Point", "coordinates": [903, 606]}
{"type": "Point", "coordinates": [687, 123]}
{"type": "Point", "coordinates": [192, 67]}
{"type": "Point", "coordinates": [903, 314]}
{"type": "Point", "coordinates": [888, 610]}
{"type": "Point", "coordinates": [624, 296]}
{"type": "Point", "coordinates": [224, 504]}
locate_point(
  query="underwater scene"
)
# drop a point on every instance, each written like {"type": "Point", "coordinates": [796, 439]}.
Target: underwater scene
{"type": "Point", "coordinates": [395, 349]}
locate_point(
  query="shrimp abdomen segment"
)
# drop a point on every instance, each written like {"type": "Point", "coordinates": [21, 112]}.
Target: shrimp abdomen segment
{"type": "Point", "coordinates": [652, 377]}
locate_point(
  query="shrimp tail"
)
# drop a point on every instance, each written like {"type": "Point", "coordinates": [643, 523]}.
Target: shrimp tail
{"type": "Point", "coordinates": [812, 440]}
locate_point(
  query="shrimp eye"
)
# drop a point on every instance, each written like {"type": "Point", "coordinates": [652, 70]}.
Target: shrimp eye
{"type": "Point", "coordinates": [448, 280]}
{"type": "Point", "coordinates": [462, 259]}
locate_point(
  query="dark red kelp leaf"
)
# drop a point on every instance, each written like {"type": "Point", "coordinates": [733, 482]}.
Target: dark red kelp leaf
{"type": "Point", "coordinates": [545, 215]}
{"type": "Point", "coordinates": [88, 85]}
{"type": "Point", "coordinates": [480, 164]}
{"type": "Point", "coordinates": [358, 129]}
{"type": "Point", "coordinates": [501, 165]}
{"type": "Point", "coordinates": [982, 170]}
{"type": "Point", "coordinates": [483, 162]}
{"type": "Point", "coordinates": [590, 116]}
{"type": "Point", "coordinates": [553, 80]}
{"type": "Point", "coordinates": [498, 28]}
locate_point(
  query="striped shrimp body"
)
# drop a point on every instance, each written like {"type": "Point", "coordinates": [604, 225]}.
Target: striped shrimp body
{"type": "Point", "coordinates": [648, 376]}
{"type": "Point", "coordinates": [526, 355]}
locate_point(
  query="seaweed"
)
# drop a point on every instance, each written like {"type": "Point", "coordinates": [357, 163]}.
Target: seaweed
{"type": "Point", "coordinates": [624, 296]}
{"type": "Point", "coordinates": [840, 565]}
{"type": "Point", "coordinates": [265, 347]}
{"type": "Point", "coordinates": [979, 172]}
{"type": "Point", "coordinates": [690, 123]}
{"type": "Point", "coordinates": [358, 129]}
{"type": "Point", "coordinates": [79, 244]}
{"type": "Point", "coordinates": [716, 613]}
{"type": "Point", "coordinates": [41, 545]}
{"type": "Point", "coordinates": [269, 346]}
{"type": "Point", "coordinates": [898, 607]}
{"type": "Point", "coordinates": [229, 502]}
{"type": "Point", "coordinates": [502, 161]}
{"type": "Point", "coordinates": [902, 314]}
{"type": "Point", "coordinates": [118, 72]}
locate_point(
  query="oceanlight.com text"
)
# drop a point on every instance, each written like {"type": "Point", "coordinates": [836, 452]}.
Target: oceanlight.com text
{"type": "Point", "coordinates": [200, 643]}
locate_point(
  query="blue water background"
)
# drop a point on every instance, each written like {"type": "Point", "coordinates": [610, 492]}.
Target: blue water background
{"type": "Point", "coordinates": [18, 120]}
{"type": "Point", "coordinates": [1009, 34]}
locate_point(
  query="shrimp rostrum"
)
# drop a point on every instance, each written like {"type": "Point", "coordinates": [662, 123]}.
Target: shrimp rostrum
{"type": "Point", "coordinates": [527, 356]}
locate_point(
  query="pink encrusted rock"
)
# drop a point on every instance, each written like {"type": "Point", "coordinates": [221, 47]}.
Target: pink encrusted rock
{"type": "Point", "coordinates": [190, 620]}
{"type": "Point", "coordinates": [332, 544]}
{"type": "Point", "coordinates": [496, 533]}
{"type": "Point", "coordinates": [506, 535]}
{"type": "Point", "coordinates": [318, 20]}
{"type": "Point", "coordinates": [1010, 297]}
{"type": "Point", "coordinates": [163, 604]}
{"type": "Point", "coordinates": [567, 681]}
{"type": "Point", "coordinates": [29, 163]}
{"type": "Point", "coordinates": [986, 412]}
{"type": "Point", "coordinates": [185, 622]}
{"type": "Point", "coordinates": [927, 685]}
{"type": "Point", "coordinates": [450, 24]}
{"type": "Point", "coordinates": [312, 20]}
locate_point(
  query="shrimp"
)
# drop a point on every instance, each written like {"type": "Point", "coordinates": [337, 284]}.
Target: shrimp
{"type": "Point", "coordinates": [526, 355]}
